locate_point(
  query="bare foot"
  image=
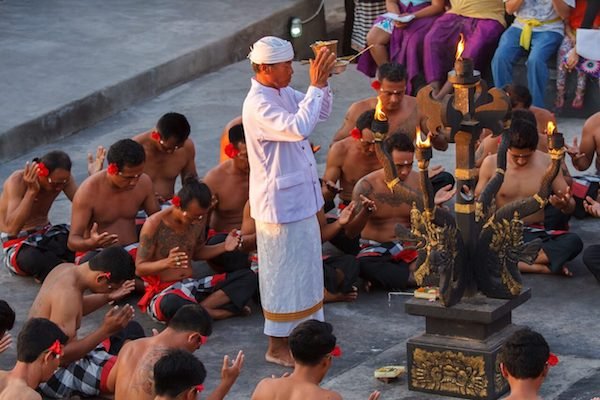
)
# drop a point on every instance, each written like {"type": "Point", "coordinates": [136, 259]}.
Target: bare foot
{"type": "Point", "coordinates": [246, 311]}
{"type": "Point", "coordinates": [280, 359]}
{"type": "Point", "coordinates": [367, 286]}
{"type": "Point", "coordinates": [566, 271]}
{"type": "Point", "coordinates": [335, 297]}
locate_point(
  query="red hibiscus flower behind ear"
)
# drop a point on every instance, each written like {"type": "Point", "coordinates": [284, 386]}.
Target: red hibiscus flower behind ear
{"type": "Point", "coordinates": [42, 169]}
{"type": "Point", "coordinates": [155, 136]}
{"type": "Point", "coordinates": [337, 351]}
{"type": "Point", "coordinates": [356, 134]}
{"type": "Point", "coordinates": [231, 151]}
{"type": "Point", "coordinates": [176, 201]}
{"type": "Point", "coordinates": [376, 85]}
{"type": "Point", "coordinates": [112, 169]}
{"type": "Point", "coordinates": [552, 360]}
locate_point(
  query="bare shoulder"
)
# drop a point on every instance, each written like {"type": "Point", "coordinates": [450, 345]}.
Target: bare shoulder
{"type": "Point", "coordinates": [15, 180]}
{"type": "Point", "coordinates": [18, 389]}
{"type": "Point", "coordinates": [89, 185]}
{"type": "Point", "coordinates": [329, 394]}
{"type": "Point", "coordinates": [266, 385]}
{"type": "Point", "coordinates": [145, 184]}
{"type": "Point", "coordinates": [142, 138]}
{"type": "Point", "coordinates": [410, 101]}
{"type": "Point", "coordinates": [338, 149]}
{"type": "Point", "coordinates": [489, 163]}
{"type": "Point", "coordinates": [152, 222]}
{"type": "Point", "coordinates": [366, 185]}
{"type": "Point", "coordinates": [592, 125]}
{"type": "Point", "coordinates": [361, 106]}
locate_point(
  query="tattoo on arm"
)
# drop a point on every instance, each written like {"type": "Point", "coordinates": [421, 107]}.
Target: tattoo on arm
{"type": "Point", "coordinates": [365, 188]}
{"type": "Point", "coordinates": [147, 243]}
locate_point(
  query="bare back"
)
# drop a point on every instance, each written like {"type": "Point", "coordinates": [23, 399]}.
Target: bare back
{"type": "Point", "coordinates": [163, 168]}
{"type": "Point", "coordinates": [18, 389]}
{"type": "Point", "coordinates": [59, 300]}
{"type": "Point", "coordinates": [133, 376]}
{"type": "Point", "coordinates": [231, 188]}
{"type": "Point", "coordinates": [390, 209]}
{"type": "Point", "coordinates": [290, 388]}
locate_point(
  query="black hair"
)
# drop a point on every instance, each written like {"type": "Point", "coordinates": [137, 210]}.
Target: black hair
{"type": "Point", "coordinates": [7, 317]}
{"type": "Point", "coordinates": [54, 160]}
{"type": "Point", "coordinates": [193, 189]}
{"type": "Point", "coordinates": [173, 125]}
{"type": "Point", "coordinates": [176, 372]}
{"type": "Point", "coordinates": [365, 119]}
{"type": "Point", "coordinates": [523, 135]}
{"type": "Point", "coordinates": [399, 141]}
{"type": "Point", "coordinates": [524, 115]}
{"type": "Point", "coordinates": [392, 72]}
{"type": "Point", "coordinates": [126, 152]}
{"type": "Point", "coordinates": [192, 317]}
{"type": "Point", "coordinates": [117, 261]}
{"type": "Point", "coordinates": [311, 341]}
{"type": "Point", "coordinates": [36, 336]}
{"type": "Point", "coordinates": [525, 354]}
{"type": "Point", "coordinates": [518, 94]}
{"type": "Point", "coordinates": [236, 134]}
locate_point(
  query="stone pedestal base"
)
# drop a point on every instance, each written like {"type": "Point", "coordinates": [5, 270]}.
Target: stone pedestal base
{"type": "Point", "coordinates": [457, 354]}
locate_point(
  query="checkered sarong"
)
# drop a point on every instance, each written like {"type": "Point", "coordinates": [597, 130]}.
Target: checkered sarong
{"type": "Point", "coordinates": [370, 248]}
{"type": "Point", "coordinates": [86, 376]}
{"type": "Point", "coordinates": [12, 244]}
{"type": "Point", "coordinates": [188, 289]}
{"type": "Point", "coordinates": [365, 12]}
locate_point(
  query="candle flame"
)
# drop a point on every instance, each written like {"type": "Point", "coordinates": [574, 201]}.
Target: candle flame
{"type": "Point", "coordinates": [551, 128]}
{"type": "Point", "coordinates": [379, 114]}
{"type": "Point", "coordinates": [422, 144]}
{"type": "Point", "coordinates": [461, 47]}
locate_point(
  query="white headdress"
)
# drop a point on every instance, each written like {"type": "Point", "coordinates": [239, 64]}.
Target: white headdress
{"type": "Point", "coordinates": [271, 50]}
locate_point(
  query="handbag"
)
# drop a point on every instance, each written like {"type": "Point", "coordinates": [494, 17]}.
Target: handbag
{"type": "Point", "coordinates": [587, 43]}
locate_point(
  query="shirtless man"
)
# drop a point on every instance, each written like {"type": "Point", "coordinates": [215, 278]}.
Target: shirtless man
{"type": "Point", "coordinates": [169, 241]}
{"type": "Point", "coordinates": [313, 347]}
{"type": "Point", "coordinates": [39, 348]}
{"type": "Point", "coordinates": [383, 260]}
{"type": "Point", "coordinates": [169, 153]}
{"type": "Point", "coordinates": [132, 378]}
{"type": "Point", "coordinates": [32, 246]}
{"type": "Point", "coordinates": [62, 299]}
{"type": "Point", "coordinates": [520, 100]}
{"type": "Point", "coordinates": [229, 184]}
{"type": "Point", "coordinates": [525, 168]}
{"type": "Point", "coordinates": [105, 206]}
{"type": "Point", "coordinates": [178, 375]}
{"type": "Point", "coordinates": [400, 109]}
{"type": "Point", "coordinates": [583, 154]}
{"type": "Point", "coordinates": [225, 137]}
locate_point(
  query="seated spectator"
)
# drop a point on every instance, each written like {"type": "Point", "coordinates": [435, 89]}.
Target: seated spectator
{"type": "Point", "coordinates": [568, 59]}
{"type": "Point", "coordinates": [525, 168]}
{"type": "Point", "coordinates": [481, 22]}
{"type": "Point", "coordinates": [537, 32]}
{"type": "Point", "coordinates": [7, 321]}
{"type": "Point", "coordinates": [365, 12]}
{"type": "Point", "coordinates": [39, 349]}
{"type": "Point", "coordinates": [313, 347]}
{"type": "Point", "coordinates": [401, 42]}
{"type": "Point", "coordinates": [32, 245]}
{"type": "Point", "coordinates": [178, 375]}
{"type": "Point", "coordinates": [524, 361]}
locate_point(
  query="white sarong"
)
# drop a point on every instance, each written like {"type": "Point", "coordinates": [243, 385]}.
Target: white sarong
{"type": "Point", "coordinates": [290, 274]}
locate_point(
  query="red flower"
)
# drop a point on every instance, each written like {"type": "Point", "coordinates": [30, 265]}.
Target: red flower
{"type": "Point", "coordinates": [203, 339]}
{"type": "Point", "coordinates": [112, 169]}
{"type": "Point", "coordinates": [42, 169]}
{"type": "Point", "coordinates": [199, 388]}
{"type": "Point", "coordinates": [552, 360]}
{"type": "Point", "coordinates": [336, 352]}
{"type": "Point", "coordinates": [107, 275]}
{"type": "Point", "coordinates": [176, 201]}
{"type": "Point", "coordinates": [376, 85]}
{"type": "Point", "coordinates": [356, 134]}
{"type": "Point", "coordinates": [231, 151]}
{"type": "Point", "coordinates": [155, 136]}
{"type": "Point", "coordinates": [56, 348]}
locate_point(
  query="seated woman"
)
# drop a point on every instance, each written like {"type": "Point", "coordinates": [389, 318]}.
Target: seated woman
{"type": "Point", "coordinates": [401, 42]}
{"type": "Point", "coordinates": [568, 59]}
{"type": "Point", "coordinates": [481, 22]}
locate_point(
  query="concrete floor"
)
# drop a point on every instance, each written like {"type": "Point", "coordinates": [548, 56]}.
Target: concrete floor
{"type": "Point", "coordinates": [372, 331]}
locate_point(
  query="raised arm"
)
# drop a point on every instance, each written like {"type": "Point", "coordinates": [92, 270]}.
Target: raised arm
{"type": "Point", "coordinates": [20, 198]}
{"type": "Point", "coordinates": [349, 122]}
{"type": "Point", "coordinates": [364, 207]}
{"type": "Point", "coordinates": [333, 172]}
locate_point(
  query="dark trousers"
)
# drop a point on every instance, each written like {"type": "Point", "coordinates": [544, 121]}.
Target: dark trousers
{"type": "Point", "coordinates": [591, 259]}
{"type": "Point", "coordinates": [39, 260]}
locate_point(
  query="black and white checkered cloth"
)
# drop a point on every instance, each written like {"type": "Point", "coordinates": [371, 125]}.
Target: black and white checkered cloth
{"type": "Point", "coordinates": [365, 12]}
{"type": "Point", "coordinates": [82, 377]}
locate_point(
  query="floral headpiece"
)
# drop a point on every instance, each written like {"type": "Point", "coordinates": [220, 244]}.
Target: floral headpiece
{"type": "Point", "coordinates": [155, 136]}
{"type": "Point", "coordinates": [356, 134]}
{"type": "Point", "coordinates": [113, 169]}
{"type": "Point", "coordinates": [42, 169]}
{"type": "Point", "coordinates": [336, 352]}
{"type": "Point", "coordinates": [376, 85]}
{"type": "Point", "coordinates": [176, 201]}
{"type": "Point", "coordinates": [199, 388]}
{"type": "Point", "coordinates": [231, 151]}
{"type": "Point", "coordinates": [56, 348]}
{"type": "Point", "coordinates": [552, 360]}
{"type": "Point", "coordinates": [106, 275]}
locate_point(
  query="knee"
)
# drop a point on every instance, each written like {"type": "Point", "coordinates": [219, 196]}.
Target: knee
{"type": "Point", "coordinates": [575, 244]}
{"type": "Point", "coordinates": [377, 37]}
{"type": "Point", "coordinates": [170, 303]}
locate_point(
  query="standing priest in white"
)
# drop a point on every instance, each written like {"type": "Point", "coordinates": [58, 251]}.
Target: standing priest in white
{"type": "Point", "coordinates": [285, 193]}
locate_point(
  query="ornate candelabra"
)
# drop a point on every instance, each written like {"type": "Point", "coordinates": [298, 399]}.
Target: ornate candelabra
{"type": "Point", "coordinates": [472, 255]}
